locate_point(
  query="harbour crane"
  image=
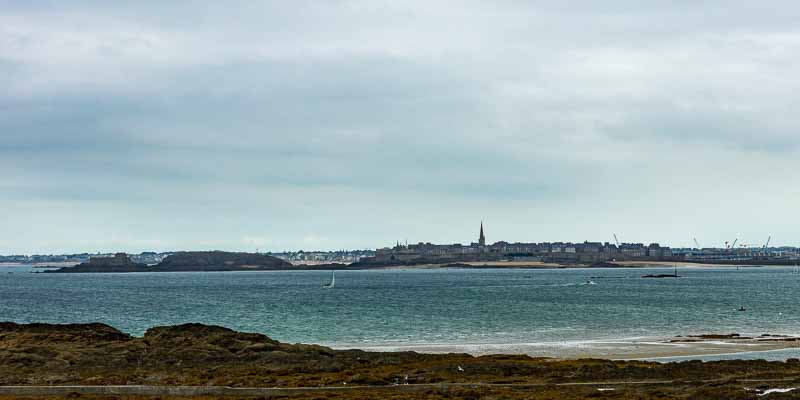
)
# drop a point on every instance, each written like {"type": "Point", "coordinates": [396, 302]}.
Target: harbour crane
{"type": "Point", "coordinates": [769, 239]}
{"type": "Point", "coordinates": [697, 244]}
{"type": "Point", "coordinates": [733, 246]}
{"type": "Point", "coordinates": [616, 240]}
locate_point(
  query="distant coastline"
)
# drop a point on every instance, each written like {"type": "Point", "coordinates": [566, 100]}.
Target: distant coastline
{"type": "Point", "coordinates": [218, 261]}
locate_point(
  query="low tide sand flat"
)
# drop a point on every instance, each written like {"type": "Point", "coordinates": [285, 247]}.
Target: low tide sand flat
{"type": "Point", "coordinates": [641, 348]}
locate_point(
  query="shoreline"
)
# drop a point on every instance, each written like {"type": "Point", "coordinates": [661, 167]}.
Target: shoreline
{"type": "Point", "coordinates": [617, 349]}
{"type": "Point", "coordinates": [195, 360]}
{"type": "Point", "coordinates": [649, 348]}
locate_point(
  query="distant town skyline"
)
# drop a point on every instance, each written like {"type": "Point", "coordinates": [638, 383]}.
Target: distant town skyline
{"type": "Point", "coordinates": [736, 243]}
{"type": "Point", "coordinates": [342, 125]}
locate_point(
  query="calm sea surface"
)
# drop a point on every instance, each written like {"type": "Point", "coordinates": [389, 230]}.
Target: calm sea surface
{"type": "Point", "coordinates": [398, 307]}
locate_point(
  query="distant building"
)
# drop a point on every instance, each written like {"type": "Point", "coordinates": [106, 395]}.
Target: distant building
{"type": "Point", "coordinates": [119, 259]}
{"type": "Point", "coordinates": [586, 252]}
{"type": "Point", "coordinates": [566, 253]}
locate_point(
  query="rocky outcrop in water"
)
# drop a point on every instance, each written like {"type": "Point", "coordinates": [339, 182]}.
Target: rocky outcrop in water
{"type": "Point", "coordinates": [185, 261]}
{"type": "Point", "coordinates": [220, 261]}
{"type": "Point", "coordinates": [120, 262]}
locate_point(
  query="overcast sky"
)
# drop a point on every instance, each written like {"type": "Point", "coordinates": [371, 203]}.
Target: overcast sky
{"type": "Point", "coordinates": [249, 125]}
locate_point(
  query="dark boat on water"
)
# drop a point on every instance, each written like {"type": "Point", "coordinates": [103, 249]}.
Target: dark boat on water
{"type": "Point", "coordinates": [672, 275]}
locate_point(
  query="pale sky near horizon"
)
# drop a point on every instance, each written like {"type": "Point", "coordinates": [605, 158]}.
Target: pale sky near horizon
{"type": "Point", "coordinates": [286, 125]}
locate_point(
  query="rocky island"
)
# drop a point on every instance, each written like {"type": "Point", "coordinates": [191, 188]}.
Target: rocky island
{"type": "Point", "coordinates": [182, 262]}
{"type": "Point", "coordinates": [201, 361]}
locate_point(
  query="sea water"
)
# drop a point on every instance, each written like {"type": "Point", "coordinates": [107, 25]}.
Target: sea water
{"type": "Point", "coordinates": [419, 307]}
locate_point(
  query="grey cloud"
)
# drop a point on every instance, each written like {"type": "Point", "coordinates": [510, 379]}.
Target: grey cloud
{"type": "Point", "coordinates": [362, 122]}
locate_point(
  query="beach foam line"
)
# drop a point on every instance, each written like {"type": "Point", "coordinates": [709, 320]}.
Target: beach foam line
{"type": "Point", "coordinates": [627, 339]}
{"type": "Point", "coordinates": [770, 391]}
{"type": "Point", "coordinates": [562, 343]}
{"type": "Point", "coordinates": [543, 349]}
{"type": "Point", "coordinates": [633, 348]}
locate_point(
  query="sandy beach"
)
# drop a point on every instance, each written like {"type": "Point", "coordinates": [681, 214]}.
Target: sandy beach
{"type": "Point", "coordinates": [634, 348]}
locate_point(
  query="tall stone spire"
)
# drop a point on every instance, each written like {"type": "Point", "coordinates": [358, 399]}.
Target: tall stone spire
{"type": "Point", "coordinates": [481, 238]}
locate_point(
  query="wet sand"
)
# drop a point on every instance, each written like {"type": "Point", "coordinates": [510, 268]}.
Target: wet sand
{"type": "Point", "coordinates": [636, 348]}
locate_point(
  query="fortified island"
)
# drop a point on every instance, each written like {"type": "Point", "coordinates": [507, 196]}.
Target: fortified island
{"type": "Point", "coordinates": [580, 254]}
{"type": "Point", "coordinates": [586, 253]}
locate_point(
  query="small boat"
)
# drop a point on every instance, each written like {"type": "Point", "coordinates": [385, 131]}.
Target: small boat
{"type": "Point", "coordinates": [332, 282]}
{"type": "Point", "coordinates": [742, 309]}
{"type": "Point", "coordinates": [672, 275]}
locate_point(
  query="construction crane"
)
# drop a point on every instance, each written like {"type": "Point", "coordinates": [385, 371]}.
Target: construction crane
{"type": "Point", "coordinates": [769, 239]}
{"type": "Point", "coordinates": [697, 244]}
{"type": "Point", "coordinates": [734, 243]}
{"type": "Point", "coordinates": [616, 240]}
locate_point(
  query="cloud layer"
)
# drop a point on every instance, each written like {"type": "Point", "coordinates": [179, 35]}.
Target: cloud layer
{"type": "Point", "coordinates": [352, 124]}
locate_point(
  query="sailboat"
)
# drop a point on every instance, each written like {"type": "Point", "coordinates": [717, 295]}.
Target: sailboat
{"type": "Point", "coordinates": [333, 281]}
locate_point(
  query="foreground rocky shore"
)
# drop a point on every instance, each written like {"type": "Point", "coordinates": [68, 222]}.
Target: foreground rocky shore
{"type": "Point", "coordinates": [215, 357]}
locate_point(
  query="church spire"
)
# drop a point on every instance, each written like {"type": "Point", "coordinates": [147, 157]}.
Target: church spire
{"type": "Point", "coordinates": [481, 238]}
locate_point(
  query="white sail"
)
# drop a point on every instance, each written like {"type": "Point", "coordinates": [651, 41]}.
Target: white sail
{"type": "Point", "coordinates": [333, 281]}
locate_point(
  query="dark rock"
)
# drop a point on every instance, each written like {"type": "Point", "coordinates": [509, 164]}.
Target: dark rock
{"type": "Point", "coordinates": [120, 262]}
{"type": "Point", "coordinates": [733, 336]}
{"type": "Point", "coordinates": [220, 261]}
{"type": "Point", "coordinates": [93, 331]}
